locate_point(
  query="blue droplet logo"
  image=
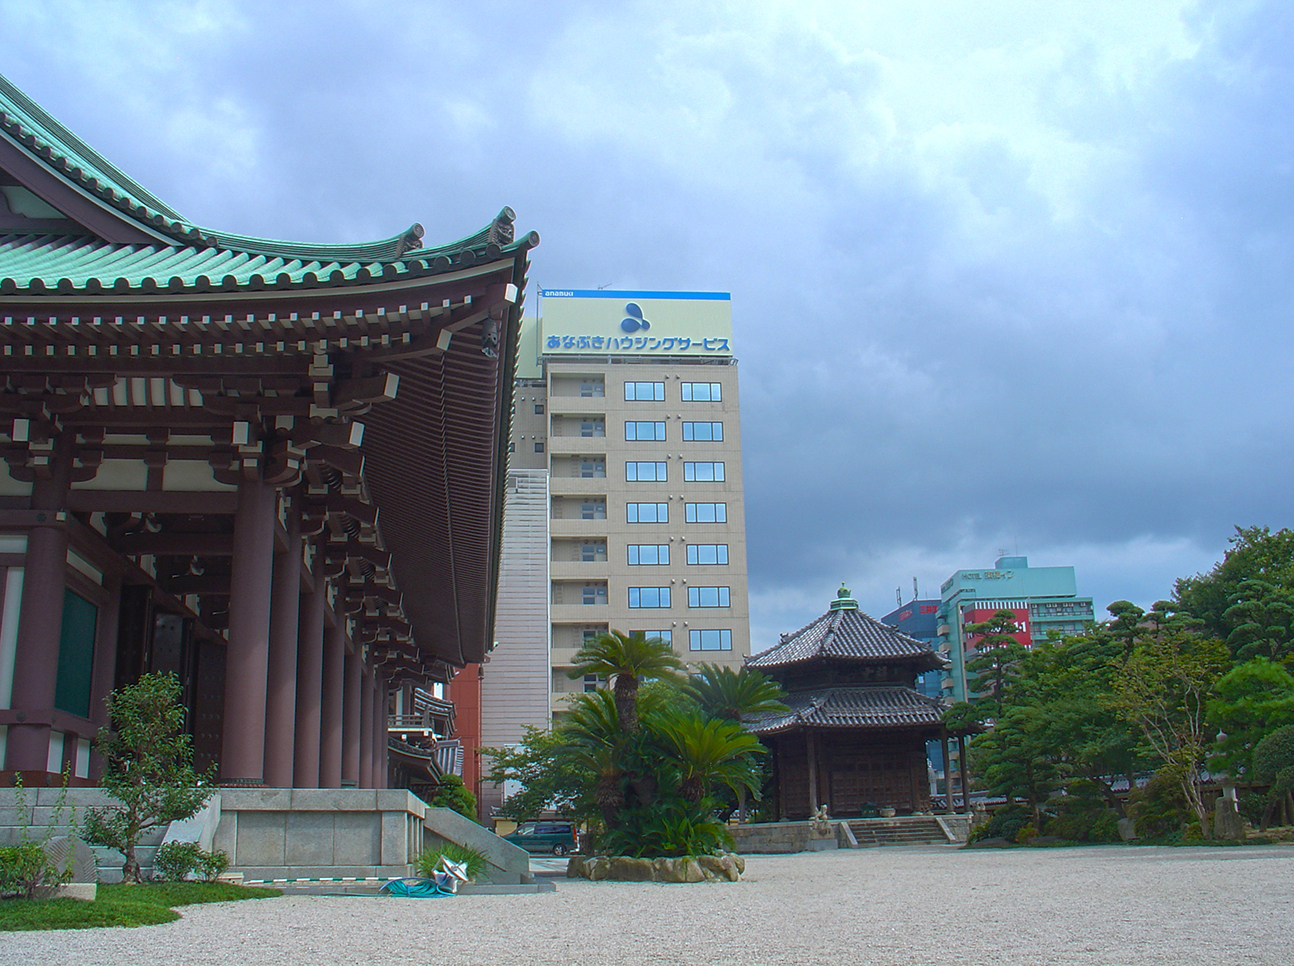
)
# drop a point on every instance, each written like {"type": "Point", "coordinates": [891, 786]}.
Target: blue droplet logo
{"type": "Point", "coordinates": [633, 320]}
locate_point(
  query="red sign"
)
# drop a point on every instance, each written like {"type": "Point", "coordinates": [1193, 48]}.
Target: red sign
{"type": "Point", "coordinates": [980, 614]}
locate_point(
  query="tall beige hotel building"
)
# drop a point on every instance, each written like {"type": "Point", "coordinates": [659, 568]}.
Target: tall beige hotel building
{"type": "Point", "coordinates": [624, 507]}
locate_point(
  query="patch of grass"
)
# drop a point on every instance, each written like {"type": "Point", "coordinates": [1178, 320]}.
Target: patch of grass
{"type": "Point", "coordinates": [121, 905]}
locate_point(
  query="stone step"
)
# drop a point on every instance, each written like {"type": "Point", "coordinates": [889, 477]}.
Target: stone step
{"type": "Point", "coordinates": [908, 830]}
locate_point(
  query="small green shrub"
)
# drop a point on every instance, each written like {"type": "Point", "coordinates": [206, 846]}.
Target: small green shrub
{"type": "Point", "coordinates": [212, 865]}
{"type": "Point", "coordinates": [452, 793]}
{"type": "Point", "coordinates": [1251, 806]}
{"type": "Point", "coordinates": [1158, 811]}
{"type": "Point", "coordinates": [1106, 827]}
{"type": "Point", "coordinates": [1082, 815]}
{"type": "Point", "coordinates": [671, 828]}
{"type": "Point", "coordinates": [1027, 833]}
{"type": "Point", "coordinates": [1005, 822]}
{"type": "Point", "coordinates": [977, 833]}
{"type": "Point", "coordinates": [473, 859]}
{"type": "Point", "coordinates": [26, 867]}
{"type": "Point", "coordinates": [176, 861]}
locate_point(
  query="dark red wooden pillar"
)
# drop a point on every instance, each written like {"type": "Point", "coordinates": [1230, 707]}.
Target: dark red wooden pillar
{"type": "Point", "coordinates": [247, 655]}
{"type": "Point", "coordinates": [961, 767]}
{"type": "Point", "coordinates": [811, 747]}
{"type": "Point", "coordinates": [380, 700]}
{"type": "Point", "coordinates": [350, 732]}
{"type": "Point", "coordinates": [367, 690]}
{"type": "Point", "coordinates": [40, 622]}
{"type": "Point", "coordinates": [310, 650]}
{"type": "Point", "coordinates": [331, 702]}
{"type": "Point", "coordinates": [281, 677]}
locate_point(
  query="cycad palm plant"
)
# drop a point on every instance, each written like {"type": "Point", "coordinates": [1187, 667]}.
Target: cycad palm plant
{"type": "Point", "coordinates": [627, 659]}
{"type": "Point", "coordinates": [734, 694]}
{"type": "Point", "coordinates": [707, 752]}
{"type": "Point", "coordinates": [594, 741]}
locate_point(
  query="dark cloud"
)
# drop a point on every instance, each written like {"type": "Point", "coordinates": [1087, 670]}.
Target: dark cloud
{"type": "Point", "coordinates": [1002, 283]}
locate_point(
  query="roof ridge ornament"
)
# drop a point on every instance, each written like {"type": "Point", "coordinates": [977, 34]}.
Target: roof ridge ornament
{"type": "Point", "coordinates": [843, 600]}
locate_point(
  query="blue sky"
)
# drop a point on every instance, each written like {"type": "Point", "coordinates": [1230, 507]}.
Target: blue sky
{"type": "Point", "coordinates": [1005, 275]}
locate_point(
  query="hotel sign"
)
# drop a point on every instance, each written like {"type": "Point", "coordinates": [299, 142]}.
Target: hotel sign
{"type": "Point", "coordinates": [688, 325]}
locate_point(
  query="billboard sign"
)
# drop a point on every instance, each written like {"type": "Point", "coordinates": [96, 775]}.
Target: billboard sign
{"type": "Point", "coordinates": [692, 325]}
{"type": "Point", "coordinates": [977, 615]}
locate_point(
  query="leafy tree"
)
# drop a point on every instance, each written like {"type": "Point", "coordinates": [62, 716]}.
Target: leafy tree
{"type": "Point", "coordinates": [547, 778]}
{"type": "Point", "coordinates": [1261, 618]}
{"type": "Point", "coordinates": [999, 655]}
{"type": "Point", "coordinates": [1274, 763]}
{"type": "Point", "coordinates": [1250, 701]}
{"type": "Point", "coordinates": [1071, 679]}
{"type": "Point", "coordinates": [1255, 552]}
{"type": "Point", "coordinates": [722, 692]}
{"type": "Point", "coordinates": [627, 659]}
{"type": "Point", "coordinates": [1164, 689]}
{"type": "Point", "coordinates": [453, 793]}
{"type": "Point", "coordinates": [1017, 760]}
{"type": "Point", "coordinates": [1125, 624]}
{"type": "Point", "coordinates": [149, 768]}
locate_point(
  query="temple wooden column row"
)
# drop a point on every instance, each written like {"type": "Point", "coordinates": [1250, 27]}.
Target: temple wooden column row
{"type": "Point", "coordinates": [272, 469]}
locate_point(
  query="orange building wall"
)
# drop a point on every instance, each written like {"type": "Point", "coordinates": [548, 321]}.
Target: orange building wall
{"type": "Point", "coordinates": [465, 692]}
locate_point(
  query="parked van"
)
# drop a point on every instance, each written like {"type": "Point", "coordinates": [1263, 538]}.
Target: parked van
{"type": "Point", "coordinates": [559, 838]}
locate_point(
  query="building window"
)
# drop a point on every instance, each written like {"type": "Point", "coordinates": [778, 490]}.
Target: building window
{"type": "Point", "coordinates": [645, 391]}
{"type": "Point", "coordinates": [643, 431]}
{"type": "Point", "coordinates": [703, 432]}
{"type": "Point", "coordinates": [648, 554]}
{"type": "Point", "coordinates": [706, 512]}
{"type": "Point", "coordinates": [539, 409]}
{"type": "Point", "coordinates": [593, 594]}
{"type": "Point", "coordinates": [710, 640]}
{"type": "Point", "coordinates": [707, 554]}
{"type": "Point", "coordinates": [702, 392]}
{"type": "Point", "coordinates": [707, 597]}
{"type": "Point", "coordinates": [591, 634]}
{"type": "Point", "coordinates": [666, 636]}
{"type": "Point", "coordinates": [591, 389]}
{"type": "Point", "coordinates": [593, 552]}
{"type": "Point", "coordinates": [593, 510]}
{"type": "Point", "coordinates": [703, 472]}
{"type": "Point", "coordinates": [594, 681]}
{"type": "Point", "coordinates": [593, 469]}
{"type": "Point", "coordinates": [593, 427]}
{"type": "Point", "coordinates": [648, 597]}
{"type": "Point", "coordinates": [647, 512]}
{"type": "Point", "coordinates": [638, 472]}
{"type": "Point", "coordinates": [539, 447]}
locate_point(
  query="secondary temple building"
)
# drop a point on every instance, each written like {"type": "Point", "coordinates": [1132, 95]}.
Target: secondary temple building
{"type": "Point", "coordinates": [271, 468]}
{"type": "Point", "coordinates": [855, 735]}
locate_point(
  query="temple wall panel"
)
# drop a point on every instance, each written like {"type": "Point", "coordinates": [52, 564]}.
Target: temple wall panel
{"type": "Point", "coordinates": [117, 475]}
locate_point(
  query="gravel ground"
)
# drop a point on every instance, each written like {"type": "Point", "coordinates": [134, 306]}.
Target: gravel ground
{"type": "Point", "coordinates": [919, 905]}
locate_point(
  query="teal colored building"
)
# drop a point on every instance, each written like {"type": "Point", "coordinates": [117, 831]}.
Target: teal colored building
{"type": "Point", "coordinates": [1044, 599]}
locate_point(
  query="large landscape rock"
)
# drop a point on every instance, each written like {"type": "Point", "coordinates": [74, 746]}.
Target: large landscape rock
{"type": "Point", "coordinates": [623, 868]}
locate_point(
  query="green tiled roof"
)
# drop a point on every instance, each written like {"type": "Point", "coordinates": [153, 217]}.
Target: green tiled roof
{"type": "Point", "coordinates": [40, 264]}
{"type": "Point", "coordinates": [45, 139]}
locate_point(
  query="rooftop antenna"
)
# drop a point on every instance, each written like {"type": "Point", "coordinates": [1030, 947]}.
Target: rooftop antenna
{"type": "Point", "coordinates": [602, 288]}
{"type": "Point", "coordinates": [898, 595]}
{"type": "Point", "coordinates": [915, 593]}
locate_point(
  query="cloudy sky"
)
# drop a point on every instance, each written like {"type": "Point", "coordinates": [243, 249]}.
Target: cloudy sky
{"type": "Point", "coordinates": [1005, 275]}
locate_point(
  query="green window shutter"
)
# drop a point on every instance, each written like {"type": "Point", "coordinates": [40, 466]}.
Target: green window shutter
{"type": "Point", "coordinates": [76, 655]}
